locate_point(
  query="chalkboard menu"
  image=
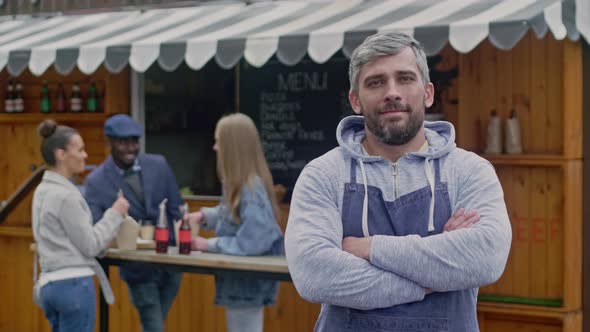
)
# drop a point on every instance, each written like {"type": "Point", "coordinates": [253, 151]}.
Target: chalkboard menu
{"type": "Point", "coordinates": [296, 109]}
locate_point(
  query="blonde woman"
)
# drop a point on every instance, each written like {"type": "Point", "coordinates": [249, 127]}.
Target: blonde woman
{"type": "Point", "coordinates": [67, 241]}
{"type": "Point", "coordinates": [245, 221]}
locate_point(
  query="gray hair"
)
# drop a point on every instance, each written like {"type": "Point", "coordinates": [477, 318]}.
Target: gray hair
{"type": "Point", "coordinates": [384, 44]}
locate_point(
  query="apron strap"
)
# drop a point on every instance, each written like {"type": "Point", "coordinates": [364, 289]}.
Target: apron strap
{"type": "Point", "coordinates": [352, 170]}
{"type": "Point", "coordinates": [437, 170]}
{"type": "Point", "coordinates": [103, 281]}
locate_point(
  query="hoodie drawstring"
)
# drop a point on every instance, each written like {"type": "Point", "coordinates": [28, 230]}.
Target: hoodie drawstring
{"type": "Point", "coordinates": [365, 201]}
{"type": "Point", "coordinates": [430, 177]}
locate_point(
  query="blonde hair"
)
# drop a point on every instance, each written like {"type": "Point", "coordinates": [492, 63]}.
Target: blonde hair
{"type": "Point", "coordinates": [240, 159]}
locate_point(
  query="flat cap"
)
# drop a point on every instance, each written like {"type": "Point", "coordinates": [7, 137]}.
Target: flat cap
{"type": "Point", "coordinates": [121, 126]}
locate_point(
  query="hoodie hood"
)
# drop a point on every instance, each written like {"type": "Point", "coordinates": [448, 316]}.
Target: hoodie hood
{"type": "Point", "coordinates": [441, 140]}
{"type": "Point", "coordinates": [351, 131]}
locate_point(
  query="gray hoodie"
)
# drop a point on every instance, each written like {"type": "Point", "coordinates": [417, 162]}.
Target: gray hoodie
{"type": "Point", "coordinates": [401, 268]}
{"type": "Point", "coordinates": [63, 229]}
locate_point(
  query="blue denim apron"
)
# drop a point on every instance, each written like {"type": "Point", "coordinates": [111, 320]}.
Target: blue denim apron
{"type": "Point", "coordinates": [409, 214]}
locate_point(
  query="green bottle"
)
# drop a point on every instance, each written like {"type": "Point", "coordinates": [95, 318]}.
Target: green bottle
{"type": "Point", "coordinates": [45, 99]}
{"type": "Point", "coordinates": [92, 102]}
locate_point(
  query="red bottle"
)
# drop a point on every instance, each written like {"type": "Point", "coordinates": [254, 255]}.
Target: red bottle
{"type": "Point", "coordinates": [60, 98]}
{"type": "Point", "coordinates": [184, 233]}
{"type": "Point", "coordinates": [162, 234]}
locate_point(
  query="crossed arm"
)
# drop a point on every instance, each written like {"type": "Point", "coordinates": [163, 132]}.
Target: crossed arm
{"type": "Point", "coordinates": [383, 271]}
{"type": "Point", "coordinates": [320, 269]}
{"type": "Point", "coordinates": [470, 256]}
{"type": "Point", "coordinates": [361, 246]}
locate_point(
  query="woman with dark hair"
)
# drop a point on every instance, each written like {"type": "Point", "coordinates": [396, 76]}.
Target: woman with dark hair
{"type": "Point", "coordinates": [67, 241]}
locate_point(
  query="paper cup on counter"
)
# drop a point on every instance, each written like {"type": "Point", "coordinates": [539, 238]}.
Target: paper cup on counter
{"type": "Point", "coordinates": [147, 231]}
{"type": "Point", "coordinates": [127, 237]}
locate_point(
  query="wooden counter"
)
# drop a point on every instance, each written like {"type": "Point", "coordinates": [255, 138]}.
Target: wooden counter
{"type": "Point", "coordinates": [272, 267]}
{"type": "Point", "coordinates": [266, 267]}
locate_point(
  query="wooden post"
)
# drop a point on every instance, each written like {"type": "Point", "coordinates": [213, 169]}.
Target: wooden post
{"type": "Point", "coordinates": [586, 190]}
{"type": "Point", "coordinates": [572, 235]}
{"type": "Point", "coordinates": [572, 99]}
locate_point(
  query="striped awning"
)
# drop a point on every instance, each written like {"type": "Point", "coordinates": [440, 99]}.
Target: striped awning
{"type": "Point", "coordinates": [228, 31]}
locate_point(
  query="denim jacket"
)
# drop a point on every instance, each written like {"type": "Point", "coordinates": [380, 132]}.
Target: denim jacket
{"type": "Point", "coordinates": [257, 234]}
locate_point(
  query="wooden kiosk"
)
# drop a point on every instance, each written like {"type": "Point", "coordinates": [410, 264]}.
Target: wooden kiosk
{"type": "Point", "coordinates": [544, 81]}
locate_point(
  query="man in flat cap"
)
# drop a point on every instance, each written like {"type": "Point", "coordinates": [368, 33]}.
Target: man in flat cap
{"type": "Point", "coordinates": [145, 179]}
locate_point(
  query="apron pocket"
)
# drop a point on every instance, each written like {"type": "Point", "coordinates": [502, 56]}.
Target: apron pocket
{"type": "Point", "coordinates": [371, 322]}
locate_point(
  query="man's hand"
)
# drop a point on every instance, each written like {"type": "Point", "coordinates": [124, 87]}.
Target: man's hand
{"type": "Point", "coordinates": [358, 246]}
{"type": "Point", "coordinates": [121, 205]}
{"type": "Point", "coordinates": [461, 219]}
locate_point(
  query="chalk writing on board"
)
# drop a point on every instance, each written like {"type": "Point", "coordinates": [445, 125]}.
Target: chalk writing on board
{"type": "Point", "coordinates": [296, 110]}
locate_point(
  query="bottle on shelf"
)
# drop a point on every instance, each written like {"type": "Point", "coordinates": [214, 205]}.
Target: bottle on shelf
{"type": "Point", "coordinates": [512, 141]}
{"type": "Point", "coordinates": [494, 139]}
{"type": "Point", "coordinates": [76, 98]}
{"type": "Point", "coordinates": [45, 98]}
{"type": "Point", "coordinates": [18, 102]}
{"type": "Point", "coordinates": [9, 98]}
{"type": "Point", "coordinates": [60, 98]}
{"type": "Point", "coordinates": [184, 233]}
{"type": "Point", "coordinates": [162, 235]}
{"type": "Point", "coordinates": [92, 100]}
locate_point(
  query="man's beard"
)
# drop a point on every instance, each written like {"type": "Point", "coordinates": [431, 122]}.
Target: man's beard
{"type": "Point", "coordinates": [394, 134]}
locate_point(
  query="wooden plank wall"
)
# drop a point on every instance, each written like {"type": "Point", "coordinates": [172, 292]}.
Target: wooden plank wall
{"type": "Point", "coordinates": [523, 80]}
{"type": "Point", "coordinates": [540, 80]}
{"type": "Point", "coordinates": [535, 205]}
{"type": "Point", "coordinates": [19, 146]}
{"type": "Point", "coordinates": [527, 79]}
{"type": "Point", "coordinates": [19, 313]}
